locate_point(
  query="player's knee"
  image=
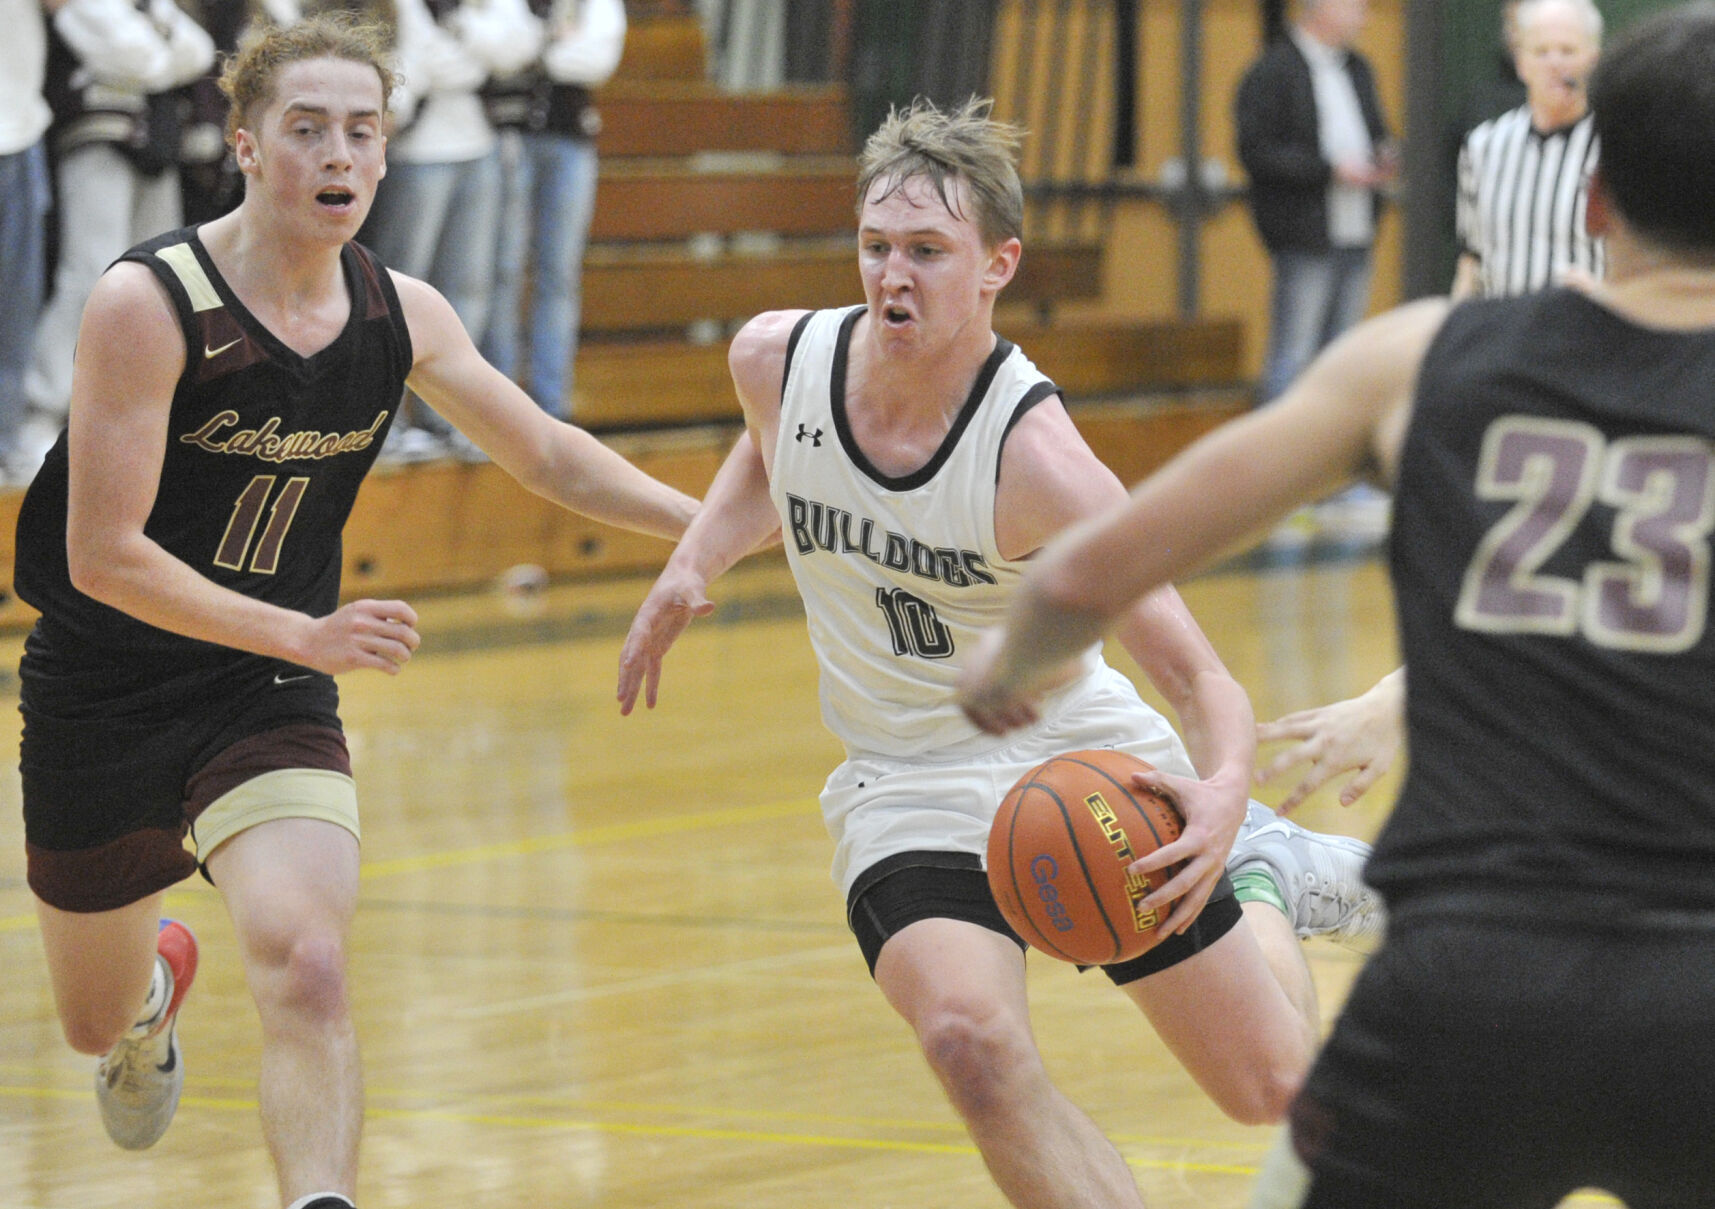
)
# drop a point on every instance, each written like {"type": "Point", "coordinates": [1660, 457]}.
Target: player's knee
{"type": "Point", "coordinates": [315, 973]}
{"type": "Point", "coordinates": [979, 1056]}
{"type": "Point", "coordinates": [308, 975]}
{"type": "Point", "coordinates": [1263, 1097]}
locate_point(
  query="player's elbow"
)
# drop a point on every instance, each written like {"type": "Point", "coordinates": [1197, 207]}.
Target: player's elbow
{"type": "Point", "coordinates": [95, 569]}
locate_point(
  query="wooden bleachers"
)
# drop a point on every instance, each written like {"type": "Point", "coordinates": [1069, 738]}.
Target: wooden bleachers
{"type": "Point", "coordinates": [715, 206]}
{"type": "Point", "coordinates": [764, 183]}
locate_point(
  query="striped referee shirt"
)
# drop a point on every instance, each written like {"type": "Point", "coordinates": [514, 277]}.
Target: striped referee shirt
{"type": "Point", "coordinates": [1522, 198]}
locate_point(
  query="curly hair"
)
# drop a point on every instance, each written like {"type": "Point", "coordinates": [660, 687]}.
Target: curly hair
{"type": "Point", "coordinates": [248, 76]}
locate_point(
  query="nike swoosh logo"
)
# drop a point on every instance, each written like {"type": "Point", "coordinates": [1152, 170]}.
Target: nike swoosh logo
{"type": "Point", "coordinates": [209, 353]}
{"type": "Point", "coordinates": [281, 678]}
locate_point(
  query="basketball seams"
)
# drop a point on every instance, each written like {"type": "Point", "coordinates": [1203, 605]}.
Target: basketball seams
{"type": "Point", "coordinates": [1073, 839]}
{"type": "Point", "coordinates": [1011, 855]}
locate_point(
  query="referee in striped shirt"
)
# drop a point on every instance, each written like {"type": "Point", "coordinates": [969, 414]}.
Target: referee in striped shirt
{"type": "Point", "coordinates": [1523, 175]}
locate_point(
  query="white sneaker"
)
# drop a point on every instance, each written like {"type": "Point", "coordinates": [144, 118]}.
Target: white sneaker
{"type": "Point", "coordinates": [138, 1081]}
{"type": "Point", "coordinates": [1320, 876]}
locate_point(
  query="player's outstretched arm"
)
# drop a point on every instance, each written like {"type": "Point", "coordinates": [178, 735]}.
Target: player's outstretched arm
{"type": "Point", "coordinates": [130, 354]}
{"type": "Point", "coordinates": [556, 460]}
{"type": "Point", "coordinates": [1049, 479]}
{"type": "Point", "coordinates": [1344, 417]}
{"type": "Point", "coordinates": [736, 518]}
{"type": "Point", "coordinates": [1363, 734]}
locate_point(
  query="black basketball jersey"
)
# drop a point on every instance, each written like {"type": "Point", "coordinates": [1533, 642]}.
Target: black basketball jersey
{"type": "Point", "coordinates": [265, 452]}
{"type": "Point", "coordinates": [1551, 562]}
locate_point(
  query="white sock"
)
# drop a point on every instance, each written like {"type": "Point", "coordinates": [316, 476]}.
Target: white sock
{"type": "Point", "coordinates": [321, 1196]}
{"type": "Point", "coordinates": [160, 990]}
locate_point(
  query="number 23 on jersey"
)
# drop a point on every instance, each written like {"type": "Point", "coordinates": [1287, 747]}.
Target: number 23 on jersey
{"type": "Point", "coordinates": [1653, 596]}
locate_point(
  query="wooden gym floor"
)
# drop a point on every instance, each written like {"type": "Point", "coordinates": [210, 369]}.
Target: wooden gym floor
{"type": "Point", "coordinates": [599, 962]}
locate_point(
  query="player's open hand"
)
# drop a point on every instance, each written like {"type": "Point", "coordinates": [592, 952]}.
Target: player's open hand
{"type": "Point", "coordinates": [1213, 812]}
{"type": "Point", "coordinates": [378, 634]}
{"type": "Point", "coordinates": [1362, 733]}
{"type": "Point", "coordinates": [663, 616]}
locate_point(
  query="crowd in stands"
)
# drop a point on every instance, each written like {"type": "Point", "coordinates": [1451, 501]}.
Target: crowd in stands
{"type": "Point", "coordinates": [112, 130]}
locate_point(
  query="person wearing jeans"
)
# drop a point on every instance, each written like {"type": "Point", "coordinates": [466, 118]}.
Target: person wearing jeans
{"type": "Point", "coordinates": [548, 123]}
{"type": "Point", "coordinates": [24, 197]}
{"type": "Point", "coordinates": [1314, 143]}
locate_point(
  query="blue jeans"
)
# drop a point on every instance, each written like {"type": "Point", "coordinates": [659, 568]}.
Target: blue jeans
{"type": "Point", "coordinates": [548, 191]}
{"type": "Point", "coordinates": [1317, 295]}
{"type": "Point", "coordinates": [23, 238]}
{"type": "Point", "coordinates": [436, 222]}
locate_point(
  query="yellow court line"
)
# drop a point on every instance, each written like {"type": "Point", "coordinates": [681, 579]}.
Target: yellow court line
{"type": "Point", "coordinates": [612, 833]}
{"type": "Point", "coordinates": [517, 1121]}
{"type": "Point", "coordinates": [664, 1109]}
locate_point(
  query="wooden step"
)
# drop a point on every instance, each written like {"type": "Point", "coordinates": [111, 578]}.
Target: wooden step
{"type": "Point", "coordinates": [683, 117]}
{"type": "Point", "coordinates": [448, 525]}
{"type": "Point", "coordinates": [657, 199]}
{"type": "Point", "coordinates": [666, 47]}
{"type": "Point", "coordinates": [1091, 358]}
{"type": "Point", "coordinates": [650, 383]}
{"type": "Point", "coordinates": [628, 289]}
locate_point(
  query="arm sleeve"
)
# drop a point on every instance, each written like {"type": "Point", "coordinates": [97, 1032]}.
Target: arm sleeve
{"type": "Point", "coordinates": [123, 47]}
{"type": "Point", "coordinates": [588, 52]}
{"type": "Point", "coordinates": [504, 34]}
{"type": "Point", "coordinates": [433, 59]}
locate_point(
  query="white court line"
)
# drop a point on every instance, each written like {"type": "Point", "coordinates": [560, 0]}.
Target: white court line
{"type": "Point", "coordinates": [654, 982]}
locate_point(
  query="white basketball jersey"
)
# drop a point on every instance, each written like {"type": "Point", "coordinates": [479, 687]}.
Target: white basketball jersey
{"type": "Point", "coordinates": [899, 576]}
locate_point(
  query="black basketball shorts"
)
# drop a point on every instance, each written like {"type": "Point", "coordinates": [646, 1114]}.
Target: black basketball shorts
{"type": "Point", "coordinates": [110, 796]}
{"type": "Point", "coordinates": [1502, 1064]}
{"type": "Point", "coordinates": [910, 886]}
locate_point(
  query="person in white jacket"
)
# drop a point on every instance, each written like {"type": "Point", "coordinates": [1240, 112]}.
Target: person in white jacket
{"type": "Point", "coordinates": [111, 66]}
{"type": "Point", "coordinates": [435, 214]}
{"type": "Point", "coordinates": [548, 122]}
{"type": "Point", "coordinates": [24, 191]}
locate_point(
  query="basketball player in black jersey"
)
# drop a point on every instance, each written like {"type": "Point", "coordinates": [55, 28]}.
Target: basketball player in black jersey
{"type": "Point", "coordinates": [233, 384]}
{"type": "Point", "coordinates": [1538, 1019]}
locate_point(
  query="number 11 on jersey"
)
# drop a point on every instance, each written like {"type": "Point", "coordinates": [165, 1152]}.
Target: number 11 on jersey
{"type": "Point", "coordinates": [247, 513]}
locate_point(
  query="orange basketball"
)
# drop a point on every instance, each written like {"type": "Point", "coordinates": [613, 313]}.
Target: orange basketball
{"type": "Point", "coordinates": [1058, 852]}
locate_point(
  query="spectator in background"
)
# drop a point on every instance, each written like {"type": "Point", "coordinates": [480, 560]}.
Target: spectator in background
{"type": "Point", "coordinates": [1523, 186]}
{"type": "Point", "coordinates": [1524, 176]}
{"type": "Point", "coordinates": [113, 66]}
{"type": "Point", "coordinates": [24, 199]}
{"type": "Point", "coordinates": [436, 211]}
{"type": "Point", "coordinates": [548, 123]}
{"type": "Point", "coordinates": [209, 180]}
{"type": "Point", "coordinates": [1314, 142]}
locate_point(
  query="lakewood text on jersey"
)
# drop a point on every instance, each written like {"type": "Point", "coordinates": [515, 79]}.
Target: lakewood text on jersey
{"type": "Point", "coordinates": [815, 524]}
{"type": "Point", "coordinates": [262, 443]}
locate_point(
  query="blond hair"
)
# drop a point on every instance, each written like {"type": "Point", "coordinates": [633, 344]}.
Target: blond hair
{"type": "Point", "coordinates": [924, 141]}
{"type": "Point", "coordinates": [248, 77]}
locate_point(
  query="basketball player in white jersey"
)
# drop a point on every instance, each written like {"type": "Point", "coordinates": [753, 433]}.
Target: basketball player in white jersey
{"type": "Point", "coordinates": [912, 460]}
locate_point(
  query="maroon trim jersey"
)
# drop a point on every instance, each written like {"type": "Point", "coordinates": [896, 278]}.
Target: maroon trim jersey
{"type": "Point", "coordinates": [1555, 512]}
{"type": "Point", "coordinates": [266, 450]}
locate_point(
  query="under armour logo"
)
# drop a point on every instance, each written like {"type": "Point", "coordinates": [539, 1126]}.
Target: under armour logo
{"type": "Point", "coordinates": [815, 437]}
